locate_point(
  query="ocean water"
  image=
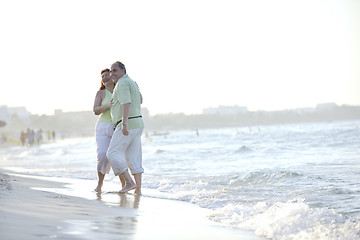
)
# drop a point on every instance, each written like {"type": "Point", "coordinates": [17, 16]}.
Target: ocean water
{"type": "Point", "coordinates": [294, 181]}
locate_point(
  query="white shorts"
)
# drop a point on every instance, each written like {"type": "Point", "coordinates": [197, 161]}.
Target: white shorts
{"type": "Point", "coordinates": [125, 151]}
{"type": "Point", "coordinates": [104, 132]}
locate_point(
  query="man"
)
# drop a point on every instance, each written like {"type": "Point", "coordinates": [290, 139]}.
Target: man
{"type": "Point", "coordinates": [125, 147]}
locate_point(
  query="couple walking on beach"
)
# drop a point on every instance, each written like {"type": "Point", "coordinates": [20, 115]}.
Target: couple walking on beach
{"type": "Point", "coordinates": [119, 128]}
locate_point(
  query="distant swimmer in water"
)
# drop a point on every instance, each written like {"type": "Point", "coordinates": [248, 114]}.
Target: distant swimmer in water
{"type": "Point", "coordinates": [104, 126]}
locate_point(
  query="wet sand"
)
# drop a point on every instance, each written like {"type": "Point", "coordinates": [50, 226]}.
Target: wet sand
{"type": "Point", "coordinates": [34, 207]}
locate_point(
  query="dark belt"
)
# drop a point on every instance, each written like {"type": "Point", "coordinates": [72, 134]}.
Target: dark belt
{"type": "Point", "coordinates": [128, 118]}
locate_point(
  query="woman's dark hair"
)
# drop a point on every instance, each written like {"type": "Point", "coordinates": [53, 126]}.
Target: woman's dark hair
{"type": "Point", "coordinates": [105, 70]}
{"type": "Point", "coordinates": [102, 85]}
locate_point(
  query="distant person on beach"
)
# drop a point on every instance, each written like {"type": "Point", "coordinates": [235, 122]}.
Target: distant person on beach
{"type": "Point", "coordinates": [30, 136]}
{"type": "Point", "coordinates": [23, 138]}
{"type": "Point", "coordinates": [125, 147]}
{"type": "Point", "coordinates": [104, 126]}
{"type": "Point", "coordinates": [3, 138]}
{"type": "Point", "coordinates": [38, 137]}
{"type": "Point", "coordinates": [49, 135]}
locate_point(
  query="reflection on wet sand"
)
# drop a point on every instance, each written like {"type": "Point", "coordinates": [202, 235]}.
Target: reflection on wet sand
{"type": "Point", "coordinates": [124, 200]}
{"type": "Point", "coordinates": [127, 201]}
{"type": "Point", "coordinates": [122, 223]}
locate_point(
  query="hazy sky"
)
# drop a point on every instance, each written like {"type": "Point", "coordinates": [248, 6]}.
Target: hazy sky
{"type": "Point", "coordinates": [185, 55]}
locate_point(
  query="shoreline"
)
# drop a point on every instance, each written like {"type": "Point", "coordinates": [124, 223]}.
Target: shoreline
{"type": "Point", "coordinates": [33, 207]}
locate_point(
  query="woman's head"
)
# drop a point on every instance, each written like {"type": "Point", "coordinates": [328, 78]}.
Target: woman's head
{"type": "Point", "coordinates": [105, 78]}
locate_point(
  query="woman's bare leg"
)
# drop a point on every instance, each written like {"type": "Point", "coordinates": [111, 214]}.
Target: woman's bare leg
{"type": "Point", "coordinates": [100, 182]}
{"type": "Point", "coordinates": [122, 180]}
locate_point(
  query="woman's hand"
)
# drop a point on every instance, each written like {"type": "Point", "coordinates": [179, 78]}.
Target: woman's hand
{"type": "Point", "coordinates": [109, 104]}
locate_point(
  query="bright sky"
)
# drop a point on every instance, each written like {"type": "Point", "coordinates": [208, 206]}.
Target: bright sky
{"type": "Point", "coordinates": [185, 55]}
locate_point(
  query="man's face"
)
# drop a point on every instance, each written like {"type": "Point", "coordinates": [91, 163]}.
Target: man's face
{"type": "Point", "coordinates": [105, 77]}
{"type": "Point", "coordinates": [116, 72]}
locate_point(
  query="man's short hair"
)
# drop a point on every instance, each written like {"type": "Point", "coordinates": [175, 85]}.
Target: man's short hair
{"type": "Point", "coordinates": [121, 65]}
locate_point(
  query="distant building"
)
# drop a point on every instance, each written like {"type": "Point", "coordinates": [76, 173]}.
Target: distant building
{"type": "Point", "coordinates": [4, 114]}
{"type": "Point", "coordinates": [304, 110]}
{"type": "Point", "coordinates": [58, 112]}
{"type": "Point", "coordinates": [225, 110]}
{"type": "Point", "coordinates": [325, 106]}
{"type": "Point", "coordinates": [9, 114]}
{"type": "Point", "coordinates": [145, 113]}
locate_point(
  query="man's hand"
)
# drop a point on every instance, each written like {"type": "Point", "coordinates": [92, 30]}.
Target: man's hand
{"type": "Point", "coordinates": [125, 130]}
{"type": "Point", "coordinates": [125, 117]}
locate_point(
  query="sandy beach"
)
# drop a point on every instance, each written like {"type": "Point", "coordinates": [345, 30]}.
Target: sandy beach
{"type": "Point", "coordinates": [34, 207]}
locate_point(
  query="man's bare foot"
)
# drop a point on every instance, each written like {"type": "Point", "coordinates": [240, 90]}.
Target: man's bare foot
{"type": "Point", "coordinates": [137, 192]}
{"type": "Point", "coordinates": [128, 187]}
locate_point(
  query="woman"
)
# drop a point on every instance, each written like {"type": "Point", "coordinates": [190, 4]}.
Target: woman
{"type": "Point", "coordinates": [104, 126]}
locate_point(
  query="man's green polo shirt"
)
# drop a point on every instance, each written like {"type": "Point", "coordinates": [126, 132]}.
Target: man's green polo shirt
{"type": "Point", "coordinates": [126, 91]}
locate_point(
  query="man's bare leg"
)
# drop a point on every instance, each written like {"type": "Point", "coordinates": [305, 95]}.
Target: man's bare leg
{"type": "Point", "coordinates": [122, 180]}
{"type": "Point", "coordinates": [100, 182]}
{"type": "Point", "coordinates": [137, 177]}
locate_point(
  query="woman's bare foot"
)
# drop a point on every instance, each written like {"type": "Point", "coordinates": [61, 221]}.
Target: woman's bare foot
{"type": "Point", "coordinates": [98, 188]}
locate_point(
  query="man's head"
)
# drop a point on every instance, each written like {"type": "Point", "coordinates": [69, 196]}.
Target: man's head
{"type": "Point", "coordinates": [117, 71]}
